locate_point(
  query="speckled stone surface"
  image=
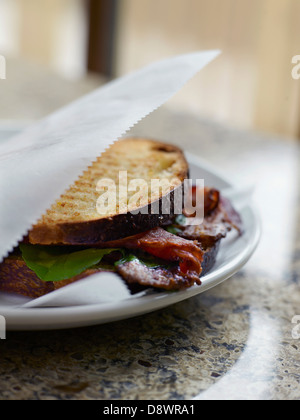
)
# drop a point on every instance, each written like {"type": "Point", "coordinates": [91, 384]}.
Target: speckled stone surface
{"type": "Point", "coordinates": [232, 342]}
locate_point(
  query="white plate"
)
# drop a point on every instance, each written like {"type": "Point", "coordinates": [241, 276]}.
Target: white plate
{"type": "Point", "coordinates": [233, 255]}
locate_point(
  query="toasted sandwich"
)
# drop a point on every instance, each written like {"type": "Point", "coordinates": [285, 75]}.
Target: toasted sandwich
{"type": "Point", "coordinates": [101, 225]}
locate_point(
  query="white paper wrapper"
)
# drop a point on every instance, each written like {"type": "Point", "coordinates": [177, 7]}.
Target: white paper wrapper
{"type": "Point", "coordinates": [98, 288]}
{"type": "Point", "coordinates": [38, 165]}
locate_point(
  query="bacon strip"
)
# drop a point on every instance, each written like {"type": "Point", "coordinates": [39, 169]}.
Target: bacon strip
{"type": "Point", "coordinates": [211, 198]}
{"type": "Point", "coordinates": [166, 246]}
{"type": "Point", "coordinates": [162, 278]}
{"type": "Point", "coordinates": [229, 215]}
{"type": "Point", "coordinates": [220, 218]}
{"type": "Point", "coordinates": [189, 247]}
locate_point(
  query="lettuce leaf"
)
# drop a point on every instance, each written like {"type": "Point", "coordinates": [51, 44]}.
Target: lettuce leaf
{"type": "Point", "coordinates": [148, 262]}
{"type": "Point", "coordinates": [56, 263]}
{"type": "Point", "coordinates": [179, 221]}
{"type": "Point", "coordinates": [145, 259]}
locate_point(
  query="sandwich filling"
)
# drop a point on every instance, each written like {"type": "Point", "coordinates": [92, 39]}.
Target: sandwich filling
{"type": "Point", "coordinates": [170, 258]}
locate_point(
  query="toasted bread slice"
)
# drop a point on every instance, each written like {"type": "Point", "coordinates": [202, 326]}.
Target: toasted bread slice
{"type": "Point", "coordinates": [16, 277]}
{"type": "Point", "coordinates": [75, 218]}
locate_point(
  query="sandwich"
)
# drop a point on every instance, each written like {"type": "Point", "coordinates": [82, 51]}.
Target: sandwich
{"type": "Point", "coordinates": [101, 225]}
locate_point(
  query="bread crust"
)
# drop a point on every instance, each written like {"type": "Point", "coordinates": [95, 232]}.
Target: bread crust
{"type": "Point", "coordinates": [103, 230]}
{"type": "Point", "coordinates": [16, 277]}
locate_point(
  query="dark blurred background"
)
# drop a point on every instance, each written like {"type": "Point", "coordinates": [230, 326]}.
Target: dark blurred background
{"type": "Point", "coordinates": [57, 50]}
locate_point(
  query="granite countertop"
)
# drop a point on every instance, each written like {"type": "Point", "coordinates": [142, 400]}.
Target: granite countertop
{"type": "Point", "coordinates": [232, 342]}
